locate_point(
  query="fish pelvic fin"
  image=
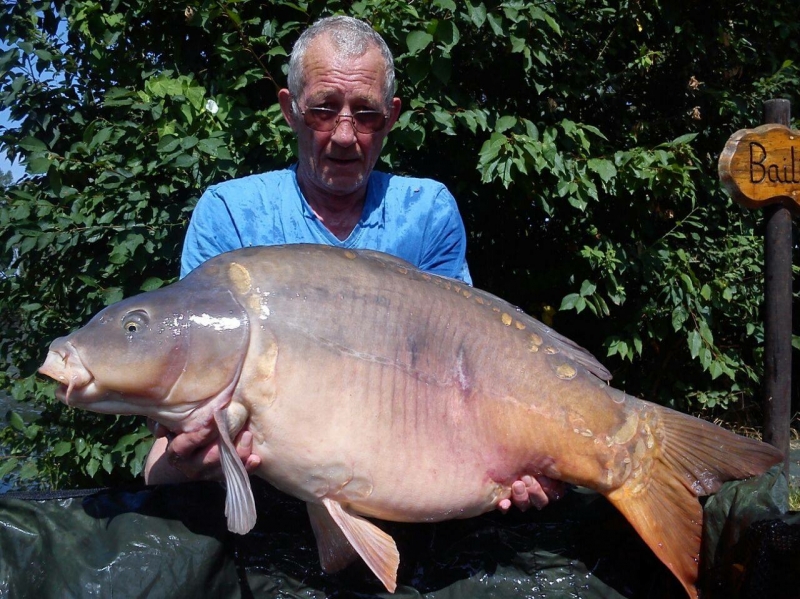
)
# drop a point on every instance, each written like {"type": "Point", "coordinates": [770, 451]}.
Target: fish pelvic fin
{"type": "Point", "coordinates": [335, 551]}
{"type": "Point", "coordinates": [692, 458]}
{"type": "Point", "coordinates": [375, 547]}
{"type": "Point", "coordinates": [240, 505]}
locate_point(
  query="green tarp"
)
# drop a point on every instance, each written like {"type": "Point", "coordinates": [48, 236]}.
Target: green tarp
{"type": "Point", "coordinates": [171, 542]}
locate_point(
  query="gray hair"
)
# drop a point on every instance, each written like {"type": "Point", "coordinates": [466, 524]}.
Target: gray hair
{"type": "Point", "coordinates": [351, 38]}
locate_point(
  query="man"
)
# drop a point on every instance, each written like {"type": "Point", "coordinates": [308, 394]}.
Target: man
{"type": "Point", "coordinates": [340, 103]}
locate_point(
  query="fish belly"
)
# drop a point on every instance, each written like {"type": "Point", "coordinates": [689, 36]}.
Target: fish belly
{"type": "Point", "coordinates": [406, 453]}
{"type": "Point", "coordinates": [399, 444]}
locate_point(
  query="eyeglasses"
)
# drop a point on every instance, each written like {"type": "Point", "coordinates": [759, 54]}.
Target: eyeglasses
{"type": "Point", "coordinates": [363, 121]}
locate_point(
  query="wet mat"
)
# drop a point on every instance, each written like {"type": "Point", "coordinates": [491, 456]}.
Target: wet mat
{"type": "Point", "coordinates": [171, 542]}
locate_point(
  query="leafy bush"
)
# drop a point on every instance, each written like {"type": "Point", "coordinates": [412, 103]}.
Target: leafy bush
{"type": "Point", "coordinates": [580, 138]}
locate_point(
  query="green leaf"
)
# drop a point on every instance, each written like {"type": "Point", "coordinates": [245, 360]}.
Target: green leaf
{"type": "Point", "coordinates": [61, 448]}
{"type": "Point", "coordinates": [496, 23]}
{"type": "Point", "coordinates": [152, 283]}
{"type": "Point", "coordinates": [695, 343]}
{"type": "Point", "coordinates": [477, 14]}
{"type": "Point", "coordinates": [39, 166]}
{"type": "Point", "coordinates": [101, 137]}
{"type": "Point", "coordinates": [28, 470]}
{"type": "Point", "coordinates": [188, 142]}
{"type": "Point", "coordinates": [679, 316]}
{"type": "Point", "coordinates": [81, 448]}
{"type": "Point", "coordinates": [185, 160]}
{"type": "Point", "coordinates": [715, 369]}
{"type": "Point", "coordinates": [210, 146]}
{"type": "Point", "coordinates": [446, 5]}
{"type": "Point", "coordinates": [15, 420]}
{"type": "Point", "coordinates": [32, 144]}
{"type": "Point", "coordinates": [418, 41]}
{"type": "Point", "coordinates": [112, 295]}
{"type": "Point", "coordinates": [7, 466]}
{"type": "Point", "coordinates": [196, 96]}
{"type": "Point", "coordinates": [683, 139]}
{"type": "Point", "coordinates": [604, 168]}
{"type": "Point", "coordinates": [587, 288]}
{"type": "Point", "coordinates": [569, 301]}
{"type": "Point", "coordinates": [140, 455]}
{"type": "Point", "coordinates": [705, 332]}
{"type": "Point", "coordinates": [447, 33]}
{"type": "Point", "coordinates": [504, 123]}
{"type": "Point", "coordinates": [552, 24]}
{"type": "Point", "coordinates": [168, 143]}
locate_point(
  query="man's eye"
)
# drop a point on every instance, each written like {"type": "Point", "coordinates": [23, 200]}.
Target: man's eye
{"type": "Point", "coordinates": [324, 114]}
{"type": "Point", "coordinates": [369, 117]}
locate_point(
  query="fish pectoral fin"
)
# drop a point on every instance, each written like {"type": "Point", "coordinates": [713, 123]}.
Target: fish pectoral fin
{"type": "Point", "coordinates": [335, 551]}
{"type": "Point", "coordinates": [240, 505]}
{"type": "Point", "coordinates": [374, 546]}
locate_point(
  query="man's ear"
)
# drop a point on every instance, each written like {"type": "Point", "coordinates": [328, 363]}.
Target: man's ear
{"type": "Point", "coordinates": [285, 100]}
{"type": "Point", "coordinates": [394, 112]}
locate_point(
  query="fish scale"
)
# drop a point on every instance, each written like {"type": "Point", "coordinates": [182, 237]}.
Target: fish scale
{"type": "Point", "coordinates": [375, 390]}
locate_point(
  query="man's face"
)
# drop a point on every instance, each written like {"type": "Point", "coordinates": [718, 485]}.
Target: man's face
{"type": "Point", "coordinates": [339, 162]}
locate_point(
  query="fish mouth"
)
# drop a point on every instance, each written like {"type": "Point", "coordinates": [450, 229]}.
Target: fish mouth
{"type": "Point", "coordinates": [64, 365]}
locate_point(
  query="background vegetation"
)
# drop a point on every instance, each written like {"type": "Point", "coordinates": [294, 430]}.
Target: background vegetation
{"type": "Point", "coordinates": [580, 137]}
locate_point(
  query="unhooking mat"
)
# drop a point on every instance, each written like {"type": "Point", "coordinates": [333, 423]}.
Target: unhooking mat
{"type": "Point", "coordinates": [171, 542]}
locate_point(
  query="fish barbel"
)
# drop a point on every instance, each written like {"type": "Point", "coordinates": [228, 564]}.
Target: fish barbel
{"type": "Point", "coordinates": [373, 389]}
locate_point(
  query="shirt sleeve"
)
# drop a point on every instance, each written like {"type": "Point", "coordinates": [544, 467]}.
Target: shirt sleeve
{"type": "Point", "coordinates": [445, 251]}
{"type": "Point", "coordinates": [211, 231]}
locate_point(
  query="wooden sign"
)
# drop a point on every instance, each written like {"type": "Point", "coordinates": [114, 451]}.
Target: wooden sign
{"type": "Point", "coordinates": [761, 166]}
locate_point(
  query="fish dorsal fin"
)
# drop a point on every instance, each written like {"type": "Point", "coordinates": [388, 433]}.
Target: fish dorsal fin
{"type": "Point", "coordinates": [374, 546]}
{"type": "Point", "coordinates": [335, 551]}
{"type": "Point", "coordinates": [240, 505]}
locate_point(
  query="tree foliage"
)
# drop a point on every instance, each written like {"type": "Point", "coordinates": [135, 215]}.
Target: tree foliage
{"type": "Point", "coordinates": [580, 138]}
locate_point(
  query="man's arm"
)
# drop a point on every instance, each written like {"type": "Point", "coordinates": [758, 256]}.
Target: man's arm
{"type": "Point", "coordinates": [212, 231]}
{"type": "Point", "coordinates": [445, 242]}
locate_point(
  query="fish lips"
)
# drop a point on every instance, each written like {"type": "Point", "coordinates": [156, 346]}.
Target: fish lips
{"type": "Point", "coordinates": [63, 364]}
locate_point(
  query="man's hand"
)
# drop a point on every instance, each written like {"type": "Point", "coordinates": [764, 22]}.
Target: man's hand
{"type": "Point", "coordinates": [530, 491]}
{"type": "Point", "coordinates": [192, 456]}
{"type": "Point", "coordinates": [195, 456]}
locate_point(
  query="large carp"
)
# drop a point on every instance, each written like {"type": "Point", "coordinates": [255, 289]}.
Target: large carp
{"type": "Point", "coordinates": [374, 389]}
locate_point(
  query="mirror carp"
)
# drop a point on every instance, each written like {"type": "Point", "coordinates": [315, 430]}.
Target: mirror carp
{"type": "Point", "coordinates": [375, 390]}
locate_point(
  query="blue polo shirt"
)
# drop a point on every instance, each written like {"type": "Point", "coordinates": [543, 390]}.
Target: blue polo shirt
{"type": "Point", "coordinates": [413, 219]}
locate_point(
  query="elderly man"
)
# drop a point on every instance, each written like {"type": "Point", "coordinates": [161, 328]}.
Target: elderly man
{"type": "Point", "coordinates": [340, 103]}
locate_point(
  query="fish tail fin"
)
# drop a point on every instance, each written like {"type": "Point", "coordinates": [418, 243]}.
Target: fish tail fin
{"type": "Point", "coordinates": [692, 458]}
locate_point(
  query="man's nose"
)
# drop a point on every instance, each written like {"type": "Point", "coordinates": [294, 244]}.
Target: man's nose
{"type": "Point", "coordinates": [344, 131]}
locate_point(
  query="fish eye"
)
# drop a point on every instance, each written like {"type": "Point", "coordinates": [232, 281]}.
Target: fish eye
{"type": "Point", "coordinates": [135, 321]}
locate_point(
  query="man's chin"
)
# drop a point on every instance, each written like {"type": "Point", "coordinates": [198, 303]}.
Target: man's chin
{"type": "Point", "coordinates": [339, 185]}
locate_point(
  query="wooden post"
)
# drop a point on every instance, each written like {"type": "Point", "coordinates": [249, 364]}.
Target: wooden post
{"type": "Point", "coordinates": [760, 168]}
{"type": "Point", "coordinates": [778, 309]}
